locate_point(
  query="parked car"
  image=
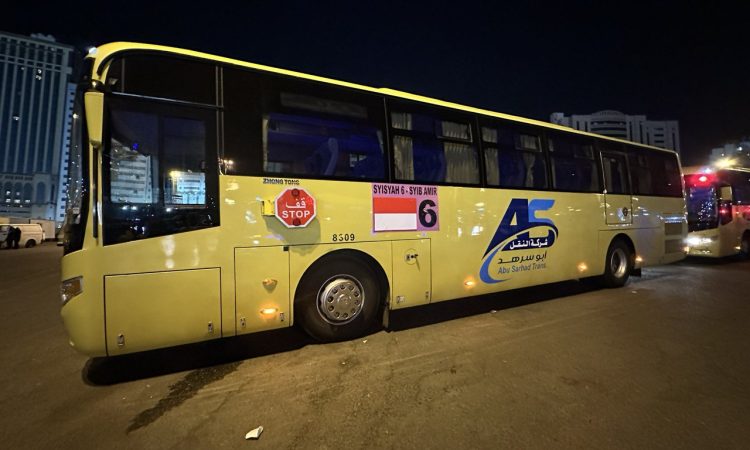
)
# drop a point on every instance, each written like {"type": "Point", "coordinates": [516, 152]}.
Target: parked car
{"type": "Point", "coordinates": [31, 233]}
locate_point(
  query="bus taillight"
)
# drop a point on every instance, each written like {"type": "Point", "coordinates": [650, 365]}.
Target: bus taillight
{"type": "Point", "coordinates": [703, 179]}
{"type": "Point", "coordinates": [725, 212]}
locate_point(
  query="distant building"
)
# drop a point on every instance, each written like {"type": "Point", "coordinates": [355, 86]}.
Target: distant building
{"type": "Point", "coordinates": [131, 175]}
{"type": "Point", "coordinates": [35, 110]}
{"type": "Point", "coordinates": [659, 133]}
{"type": "Point", "coordinates": [62, 190]}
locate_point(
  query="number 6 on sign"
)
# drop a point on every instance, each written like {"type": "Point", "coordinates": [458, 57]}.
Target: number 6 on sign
{"type": "Point", "coordinates": [427, 215]}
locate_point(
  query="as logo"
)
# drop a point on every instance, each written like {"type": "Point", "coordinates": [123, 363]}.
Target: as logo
{"type": "Point", "coordinates": [520, 229]}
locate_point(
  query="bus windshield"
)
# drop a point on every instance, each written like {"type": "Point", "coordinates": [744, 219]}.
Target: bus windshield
{"type": "Point", "coordinates": [702, 208]}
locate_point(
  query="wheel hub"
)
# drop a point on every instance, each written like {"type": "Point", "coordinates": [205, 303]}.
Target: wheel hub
{"type": "Point", "coordinates": [340, 300]}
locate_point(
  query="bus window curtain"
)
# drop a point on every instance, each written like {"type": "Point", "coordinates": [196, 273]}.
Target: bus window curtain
{"type": "Point", "coordinates": [461, 160]}
{"type": "Point", "coordinates": [403, 157]}
{"type": "Point", "coordinates": [493, 168]}
{"type": "Point", "coordinates": [528, 160]}
{"type": "Point", "coordinates": [401, 121]}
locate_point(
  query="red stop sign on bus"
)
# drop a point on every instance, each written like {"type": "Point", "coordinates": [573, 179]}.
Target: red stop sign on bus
{"type": "Point", "coordinates": [295, 208]}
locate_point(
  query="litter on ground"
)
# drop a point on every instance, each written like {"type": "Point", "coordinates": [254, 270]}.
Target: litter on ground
{"type": "Point", "coordinates": [254, 434]}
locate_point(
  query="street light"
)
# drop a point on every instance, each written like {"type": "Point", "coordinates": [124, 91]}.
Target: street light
{"type": "Point", "coordinates": [724, 163]}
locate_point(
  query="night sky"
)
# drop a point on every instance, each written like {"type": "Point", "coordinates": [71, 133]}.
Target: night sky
{"type": "Point", "coordinates": [686, 60]}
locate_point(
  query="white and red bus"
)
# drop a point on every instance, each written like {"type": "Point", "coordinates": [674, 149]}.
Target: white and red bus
{"type": "Point", "coordinates": [718, 204]}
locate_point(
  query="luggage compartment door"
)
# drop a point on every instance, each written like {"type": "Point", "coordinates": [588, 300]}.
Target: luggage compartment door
{"type": "Point", "coordinates": [161, 309]}
{"type": "Point", "coordinates": [411, 273]}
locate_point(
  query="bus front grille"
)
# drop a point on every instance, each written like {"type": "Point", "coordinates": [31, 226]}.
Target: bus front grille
{"type": "Point", "coordinates": [672, 228]}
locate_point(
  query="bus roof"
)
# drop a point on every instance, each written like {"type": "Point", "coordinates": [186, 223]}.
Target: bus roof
{"type": "Point", "coordinates": [690, 170]}
{"type": "Point", "coordinates": [104, 53]}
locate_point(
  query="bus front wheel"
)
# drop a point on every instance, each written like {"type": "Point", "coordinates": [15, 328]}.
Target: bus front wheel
{"type": "Point", "coordinates": [338, 299]}
{"type": "Point", "coordinates": [618, 265]}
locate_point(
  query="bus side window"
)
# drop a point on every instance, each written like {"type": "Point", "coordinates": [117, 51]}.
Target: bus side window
{"type": "Point", "coordinates": [741, 188]}
{"type": "Point", "coordinates": [430, 148]}
{"type": "Point", "coordinates": [665, 171]}
{"type": "Point", "coordinates": [514, 157]}
{"type": "Point", "coordinates": [643, 175]}
{"type": "Point", "coordinates": [740, 182]}
{"type": "Point", "coordinates": [311, 131]}
{"type": "Point", "coordinates": [615, 173]}
{"type": "Point", "coordinates": [573, 165]}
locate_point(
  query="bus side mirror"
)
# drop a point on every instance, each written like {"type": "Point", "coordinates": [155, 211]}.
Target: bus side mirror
{"type": "Point", "coordinates": [726, 193]}
{"type": "Point", "coordinates": [94, 104]}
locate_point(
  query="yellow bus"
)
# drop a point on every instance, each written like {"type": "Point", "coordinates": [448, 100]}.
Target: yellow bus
{"type": "Point", "coordinates": [718, 206]}
{"type": "Point", "coordinates": [212, 198]}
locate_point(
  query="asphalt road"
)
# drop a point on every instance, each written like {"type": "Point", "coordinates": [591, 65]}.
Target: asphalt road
{"type": "Point", "coordinates": [661, 363]}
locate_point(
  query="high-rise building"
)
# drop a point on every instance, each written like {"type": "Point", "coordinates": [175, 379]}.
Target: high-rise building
{"type": "Point", "coordinates": [636, 128]}
{"type": "Point", "coordinates": [35, 103]}
{"type": "Point", "coordinates": [62, 189]}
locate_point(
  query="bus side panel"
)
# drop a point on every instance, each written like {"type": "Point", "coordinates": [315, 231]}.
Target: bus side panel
{"type": "Point", "coordinates": [649, 246]}
{"type": "Point", "coordinates": [670, 216]}
{"type": "Point", "coordinates": [730, 236]}
{"type": "Point", "coordinates": [648, 230]}
{"type": "Point", "coordinates": [475, 253]}
{"type": "Point", "coordinates": [659, 230]}
{"type": "Point", "coordinates": [303, 256]}
{"type": "Point", "coordinates": [262, 280]}
{"type": "Point", "coordinates": [742, 217]}
{"type": "Point", "coordinates": [153, 310]}
{"type": "Point", "coordinates": [674, 215]}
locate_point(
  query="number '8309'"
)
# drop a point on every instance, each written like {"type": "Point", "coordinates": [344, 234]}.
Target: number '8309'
{"type": "Point", "coordinates": [343, 237]}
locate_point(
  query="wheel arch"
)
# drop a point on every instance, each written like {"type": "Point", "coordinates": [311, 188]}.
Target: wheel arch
{"type": "Point", "coordinates": [365, 270]}
{"type": "Point", "coordinates": [745, 238]}
{"type": "Point", "coordinates": [627, 240]}
{"type": "Point", "coordinates": [381, 277]}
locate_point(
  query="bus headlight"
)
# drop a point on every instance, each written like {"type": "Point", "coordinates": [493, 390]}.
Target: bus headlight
{"type": "Point", "coordinates": [696, 241]}
{"type": "Point", "coordinates": [70, 288]}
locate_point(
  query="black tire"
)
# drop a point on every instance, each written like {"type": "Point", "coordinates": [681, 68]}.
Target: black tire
{"type": "Point", "coordinates": [30, 243]}
{"type": "Point", "coordinates": [745, 246]}
{"type": "Point", "coordinates": [618, 265]}
{"type": "Point", "coordinates": [348, 288]}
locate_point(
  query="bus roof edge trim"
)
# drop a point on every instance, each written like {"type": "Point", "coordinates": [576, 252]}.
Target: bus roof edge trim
{"type": "Point", "coordinates": [105, 52]}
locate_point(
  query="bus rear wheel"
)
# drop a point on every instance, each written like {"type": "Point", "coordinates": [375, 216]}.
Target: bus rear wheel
{"type": "Point", "coordinates": [618, 265]}
{"type": "Point", "coordinates": [745, 245]}
{"type": "Point", "coordinates": [338, 299]}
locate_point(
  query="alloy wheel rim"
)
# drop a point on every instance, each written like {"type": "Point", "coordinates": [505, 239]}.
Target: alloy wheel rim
{"type": "Point", "coordinates": [341, 299]}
